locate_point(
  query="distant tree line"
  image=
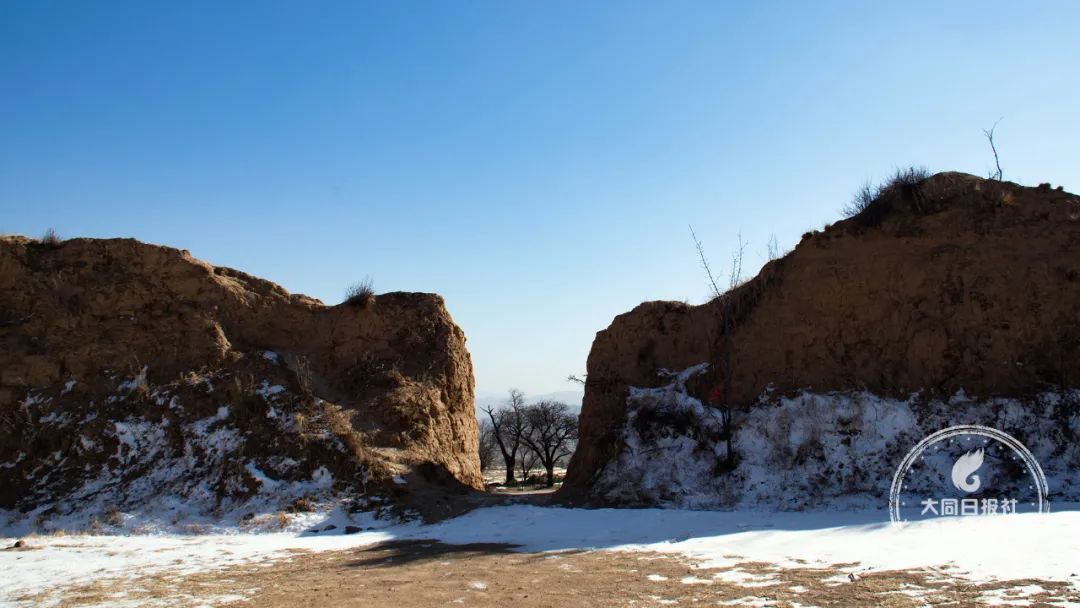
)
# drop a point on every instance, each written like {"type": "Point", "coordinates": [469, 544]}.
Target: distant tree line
{"type": "Point", "coordinates": [527, 436]}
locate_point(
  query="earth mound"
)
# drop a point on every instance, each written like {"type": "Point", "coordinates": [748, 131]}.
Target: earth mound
{"type": "Point", "coordinates": [950, 299]}
{"type": "Point", "coordinates": [137, 382]}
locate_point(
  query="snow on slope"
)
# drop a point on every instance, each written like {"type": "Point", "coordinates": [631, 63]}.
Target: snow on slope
{"type": "Point", "coordinates": [813, 450]}
{"type": "Point", "coordinates": [186, 454]}
{"type": "Point", "coordinates": [1045, 547]}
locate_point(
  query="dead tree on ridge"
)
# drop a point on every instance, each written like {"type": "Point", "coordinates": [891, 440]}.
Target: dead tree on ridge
{"type": "Point", "coordinates": [989, 133]}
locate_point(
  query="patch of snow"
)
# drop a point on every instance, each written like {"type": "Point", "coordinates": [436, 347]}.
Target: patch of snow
{"type": "Point", "coordinates": [133, 383]}
{"type": "Point", "coordinates": [59, 563]}
{"type": "Point", "coordinates": [13, 463]}
{"type": "Point", "coordinates": [258, 475]}
{"type": "Point", "coordinates": [173, 489]}
{"type": "Point", "coordinates": [1040, 547]}
{"type": "Point", "coordinates": [266, 390]}
{"type": "Point", "coordinates": [743, 578]}
{"type": "Point", "coordinates": [756, 602]}
{"type": "Point", "coordinates": [33, 399]}
{"type": "Point", "coordinates": [811, 450]}
{"type": "Point", "coordinates": [56, 418]}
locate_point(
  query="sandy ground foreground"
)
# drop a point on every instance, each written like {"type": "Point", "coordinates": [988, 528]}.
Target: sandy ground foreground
{"type": "Point", "coordinates": [404, 574]}
{"type": "Point", "coordinates": [530, 555]}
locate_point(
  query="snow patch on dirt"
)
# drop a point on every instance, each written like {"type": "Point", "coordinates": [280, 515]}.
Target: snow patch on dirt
{"type": "Point", "coordinates": [1040, 546]}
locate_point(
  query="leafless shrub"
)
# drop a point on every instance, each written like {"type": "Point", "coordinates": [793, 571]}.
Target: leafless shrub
{"type": "Point", "coordinates": [528, 461]}
{"type": "Point", "coordinates": [735, 278]}
{"type": "Point", "coordinates": [51, 239]}
{"type": "Point", "coordinates": [304, 504]}
{"type": "Point", "coordinates": [872, 203]}
{"type": "Point", "coordinates": [361, 294]}
{"type": "Point", "coordinates": [114, 517]}
{"type": "Point", "coordinates": [864, 196]}
{"type": "Point", "coordinates": [773, 248]}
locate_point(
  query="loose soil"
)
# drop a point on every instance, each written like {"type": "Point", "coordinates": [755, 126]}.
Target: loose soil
{"type": "Point", "coordinates": [418, 573]}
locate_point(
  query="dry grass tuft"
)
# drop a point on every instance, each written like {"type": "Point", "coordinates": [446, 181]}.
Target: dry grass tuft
{"type": "Point", "coordinates": [361, 294]}
{"type": "Point", "coordinates": [872, 203]}
{"type": "Point", "coordinates": [51, 239]}
{"type": "Point", "coordinates": [304, 504]}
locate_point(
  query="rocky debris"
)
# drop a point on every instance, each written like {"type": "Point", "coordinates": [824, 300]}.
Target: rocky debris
{"type": "Point", "coordinates": [136, 377]}
{"type": "Point", "coordinates": [954, 284]}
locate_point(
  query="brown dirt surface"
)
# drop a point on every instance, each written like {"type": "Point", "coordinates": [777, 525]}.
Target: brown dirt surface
{"type": "Point", "coordinates": [421, 574]}
{"type": "Point", "coordinates": [97, 332]}
{"type": "Point", "coordinates": [960, 282]}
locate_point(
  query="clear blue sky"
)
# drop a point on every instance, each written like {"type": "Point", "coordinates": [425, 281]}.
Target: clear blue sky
{"type": "Point", "coordinates": [537, 163]}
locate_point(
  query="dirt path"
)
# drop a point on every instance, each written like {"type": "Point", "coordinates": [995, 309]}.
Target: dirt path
{"type": "Point", "coordinates": [418, 573]}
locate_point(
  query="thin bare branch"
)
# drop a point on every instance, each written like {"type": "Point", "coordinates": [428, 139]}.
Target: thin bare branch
{"type": "Point", "coordinates": [705, 264]}
{"type": "Point", "coordinates": [736, 264]}
{"type": "Point", "coordinates": [990, 138]}
{"type": "Point", "coordinates": [773, 248]}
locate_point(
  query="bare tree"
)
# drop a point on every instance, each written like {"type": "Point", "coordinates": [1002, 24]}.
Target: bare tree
{"type": "Point", "coordinates": [721, 396]}
{"type": "Point", "coordinates": [728, 328]}
{"type": "Point", "coordinates": [489, 446]}
{"type": "Point", "coordinates": [552, 432]}
{"type": "Point", "coordinates": [510, 427]}
{"type": "Point", "coordinates": [989, 133]}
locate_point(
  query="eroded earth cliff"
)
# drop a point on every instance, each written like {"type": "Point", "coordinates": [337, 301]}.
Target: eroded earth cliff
{"type": "Point", "coordinates": [136, 379]}
{"type": "Point", "coordinates": [949, 299]}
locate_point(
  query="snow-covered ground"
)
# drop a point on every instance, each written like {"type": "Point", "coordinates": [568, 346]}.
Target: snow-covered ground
{"type": "Point", "coordinates": [1045, 547]}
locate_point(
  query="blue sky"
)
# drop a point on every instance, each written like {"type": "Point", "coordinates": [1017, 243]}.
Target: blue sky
{"type": "Point", "coordinates": [536, 163]}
